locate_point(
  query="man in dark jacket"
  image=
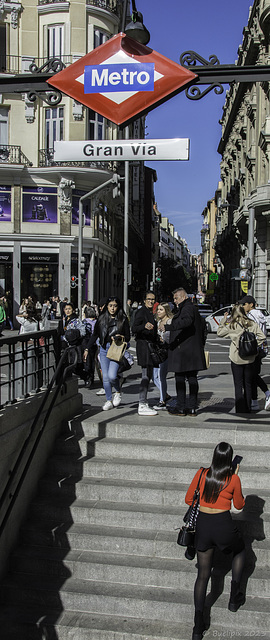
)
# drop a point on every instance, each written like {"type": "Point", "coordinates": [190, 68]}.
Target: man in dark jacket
{"type": "Point", "coordinates": [145, 329]}
{"type": "Point", "coordinates": [186, 352]}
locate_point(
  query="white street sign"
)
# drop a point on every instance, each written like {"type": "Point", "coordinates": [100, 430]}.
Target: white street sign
{"type": "Point", "coordinates": [78, 151]}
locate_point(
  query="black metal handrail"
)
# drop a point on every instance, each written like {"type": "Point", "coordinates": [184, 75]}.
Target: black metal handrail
{"type": "Point", "coordinates": [27, 363]}
{"type": "Point", "coordinates": [10, 493]}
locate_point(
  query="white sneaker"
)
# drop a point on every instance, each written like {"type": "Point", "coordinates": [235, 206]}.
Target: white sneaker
{"type": "Point", "coordinates": [145, 410]}
{"type": "Point", "coordinates": [255, 405]}
{"type": "Point", "coordinates": [267, 404]}
{"type": "Point", "coordinates": [116, 399]}
{"type": "Point", "coordinates": [108, 405]}
{"type": "Point", "coordinates": [101, 392]}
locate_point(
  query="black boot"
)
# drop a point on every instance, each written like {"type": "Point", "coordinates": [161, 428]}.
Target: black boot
{"type": "Point", "coordinates": [236, 597]}
{"type": "Point", "coordinates": [199, 626]}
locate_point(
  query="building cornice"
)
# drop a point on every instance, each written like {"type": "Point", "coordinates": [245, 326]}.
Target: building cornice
{"type": "Point", "coordinates": [53, 7]}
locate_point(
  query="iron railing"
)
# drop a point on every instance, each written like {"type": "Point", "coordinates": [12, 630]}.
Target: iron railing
{"type": "Point", "coordinates": [22, 64]}
{"type": "Point", "coordinates": [27, 364]}
{"type": "Point", "coordinates": [12, 154]}
{"type": "Point", "coordinates": [108, 5]}
{"type": "Point", "coordinates": [46, 160]}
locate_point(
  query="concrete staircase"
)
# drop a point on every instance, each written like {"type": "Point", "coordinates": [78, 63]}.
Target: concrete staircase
{"type": "Point", "coordinates": [98, 558]}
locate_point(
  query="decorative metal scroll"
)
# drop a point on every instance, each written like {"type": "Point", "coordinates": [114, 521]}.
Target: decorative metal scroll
{"type": "Point", "coordinates": [190, 59]}
{"type": "Point", "coordinates": [52, 64]}
{"type": "Point", "coordinates": [52, 97]}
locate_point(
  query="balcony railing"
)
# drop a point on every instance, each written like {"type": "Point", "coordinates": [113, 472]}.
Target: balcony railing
{"type": "Point", "coordinates": [12, 154]}
{"type": "Point", "coordinates": [21, 64]}
{"type": "Point", "coordinates": [108, 5]}
{"type": "Point", "coordinates": [49, 1]}
{"type": "Point", "coordinates": [46, 160]}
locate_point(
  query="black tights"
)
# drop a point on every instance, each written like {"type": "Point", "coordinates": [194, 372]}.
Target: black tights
{"type": "Point", "coordinates": [205, 560]}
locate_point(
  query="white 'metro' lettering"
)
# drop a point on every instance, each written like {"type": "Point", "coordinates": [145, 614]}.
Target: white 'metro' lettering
{"type": "Point", "coordinates": [104, 78]}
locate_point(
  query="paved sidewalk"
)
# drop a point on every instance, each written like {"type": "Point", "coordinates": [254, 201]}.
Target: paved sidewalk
{"type": "Point", "coordinates": [216, 397]}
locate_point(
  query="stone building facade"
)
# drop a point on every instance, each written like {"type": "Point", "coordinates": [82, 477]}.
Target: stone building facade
{"type": "Point", "coordinates": [243, 200]}
{"type": "Point", "coordinates": [39, 198]}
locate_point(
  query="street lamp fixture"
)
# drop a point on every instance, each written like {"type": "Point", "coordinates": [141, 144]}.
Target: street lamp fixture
{"type": "Point", "coordinates": [136, 29]}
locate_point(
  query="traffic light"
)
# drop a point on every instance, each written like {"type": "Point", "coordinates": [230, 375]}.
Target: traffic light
{"type": "Point", "coordinates": [116, 187]}
{"type": "Point", "coordinates": [83, 266]}
{"type": "Point", "coordinates": [158, 274]}
{"type": "Point", "coordinates": [73, 281]}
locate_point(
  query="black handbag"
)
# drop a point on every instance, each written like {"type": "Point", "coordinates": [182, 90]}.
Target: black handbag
{"type": "Point", "coordinates": [158, 352]}
{"type": "Point", "coordinates": [186, 535]}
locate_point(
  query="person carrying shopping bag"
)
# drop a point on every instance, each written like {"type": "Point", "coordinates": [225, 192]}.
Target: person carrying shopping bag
{"type": "Point", "coordinates": [110, 325]}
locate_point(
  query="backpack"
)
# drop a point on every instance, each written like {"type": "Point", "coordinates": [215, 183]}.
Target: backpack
{"type": "Point", "coordinates": [248, 345]}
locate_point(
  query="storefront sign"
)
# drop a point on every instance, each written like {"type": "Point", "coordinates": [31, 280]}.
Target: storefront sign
{"type": "Point", "coordinates": [76, 195]}
{"type": "Point", "coordinates": [5, 203]}
{"type": "Point", "coordinates": [39, 204]}
{"type": "Point", "coordinates": [121, 79]}
{"type": "Point", "coordinates": [158, 149]}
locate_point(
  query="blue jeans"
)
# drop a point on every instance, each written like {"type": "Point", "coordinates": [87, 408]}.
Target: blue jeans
{"type": "Point", "coordinates": [109, 370]}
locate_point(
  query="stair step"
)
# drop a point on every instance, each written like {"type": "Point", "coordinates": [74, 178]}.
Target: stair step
{"type": "Point", "coordinates": [165, 450]}
{"type": "Point", "coordinates": [117, 490]}
{"type": "Point", "coordinates": [117, 568]}
{"type": "Point", "coordinates": [83, 626]}
{"type": "Point", "coordinates": [150, 470]}
{"type": "Point", "coordinates": [159, 517]}
{"type": "Point", "coordinates": [203, 429]}
{"type": "Point", "coordinates": [102, 538]}
{"type": "Point", "coordinates": [154, 603]}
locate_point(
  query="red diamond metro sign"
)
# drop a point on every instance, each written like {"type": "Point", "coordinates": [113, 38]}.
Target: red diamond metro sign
{"type": "Point", "coordinates": [122, 79]}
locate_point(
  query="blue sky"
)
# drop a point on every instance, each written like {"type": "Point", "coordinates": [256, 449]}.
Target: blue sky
{"type": "Point", "coordinates": [207, 27]}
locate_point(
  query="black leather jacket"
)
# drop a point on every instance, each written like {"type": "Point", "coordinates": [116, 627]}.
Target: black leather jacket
{"type": "Point", "coordinates": [105, 332]}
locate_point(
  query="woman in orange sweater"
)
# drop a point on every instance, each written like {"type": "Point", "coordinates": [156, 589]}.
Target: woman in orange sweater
{"type": "Point", "coordinates": [219, 485]}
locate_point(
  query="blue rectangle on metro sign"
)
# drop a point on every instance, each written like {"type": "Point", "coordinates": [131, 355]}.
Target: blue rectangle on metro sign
{"type": "Point", "coordinates": [104, 78]}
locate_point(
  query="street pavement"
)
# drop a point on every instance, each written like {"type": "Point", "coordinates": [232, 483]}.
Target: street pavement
{"type": "Point", "coordinates": [216, 391]}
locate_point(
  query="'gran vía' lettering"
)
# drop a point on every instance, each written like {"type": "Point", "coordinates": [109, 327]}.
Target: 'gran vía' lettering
{"type": "Point", "coordinates": [136, 149]}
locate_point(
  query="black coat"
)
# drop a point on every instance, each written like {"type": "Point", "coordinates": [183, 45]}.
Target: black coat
{"type": "Point", "coordinates": [143, 336]}
{"type": "Point", "coordinates": [186, 346]}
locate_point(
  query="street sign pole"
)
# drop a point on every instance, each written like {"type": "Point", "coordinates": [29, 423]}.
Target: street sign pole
{"type": "Point", "coordinates": [126, 207]}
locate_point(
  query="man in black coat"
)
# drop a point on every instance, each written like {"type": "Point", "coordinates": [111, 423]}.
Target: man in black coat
{"type": "Point", "coordinates": [145, 329]}
{"type": "Point", "coordinates": [186, 352]}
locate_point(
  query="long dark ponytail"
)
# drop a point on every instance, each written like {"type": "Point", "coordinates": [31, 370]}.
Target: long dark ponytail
{"type": "Point", "coordinates": [219, 473]}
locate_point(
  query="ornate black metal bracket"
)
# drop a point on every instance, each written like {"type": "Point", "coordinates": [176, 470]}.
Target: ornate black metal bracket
{"type": "Point", "coordinates": [214, 74]}
{"type": "Point", "coordinates": [189, 59]}
{"type": "Point", "coordinates": [52, 97]}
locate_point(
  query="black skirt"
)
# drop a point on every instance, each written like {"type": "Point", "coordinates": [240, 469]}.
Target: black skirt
{"type": "Point", "coordinates": [217, 530]}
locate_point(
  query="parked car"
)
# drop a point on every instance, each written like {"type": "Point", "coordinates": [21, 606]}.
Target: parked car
{"type": "Point", "coordinates": [213, 320]}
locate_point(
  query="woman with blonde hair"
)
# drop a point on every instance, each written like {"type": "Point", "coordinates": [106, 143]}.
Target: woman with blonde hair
{"type": "Point", "coordinates": [242, 368]}
{"type": "Point", "coordinates": [164, 316]}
